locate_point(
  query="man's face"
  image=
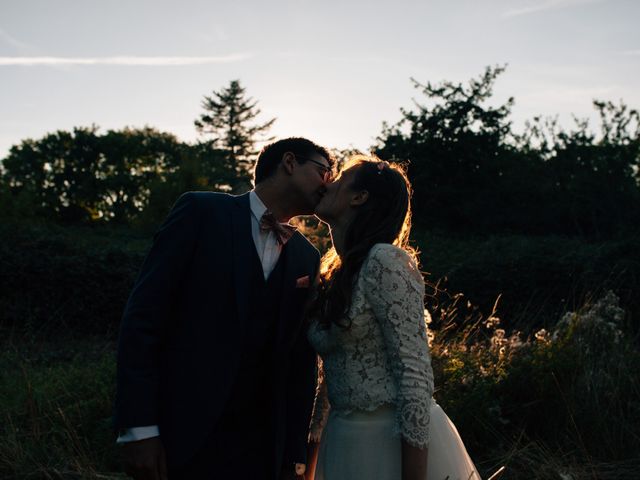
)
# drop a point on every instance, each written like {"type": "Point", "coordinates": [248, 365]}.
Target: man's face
{"type": "Point", "coordinates": [337, 199]}
{"type": "Point", "coordinates": [311, 175]}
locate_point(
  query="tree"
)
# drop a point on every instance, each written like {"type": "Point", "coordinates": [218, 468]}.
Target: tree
{"type": "Point", "coordinates": [82, 176]}
{"type": "Point", "coordinates": [471, 173]}
{"type": "Point", "coordinates": [201, 167]}
{"type": "Point", "coordinates": [591, 181]}
{"type": "Point", "coordinates": [229, 117]}
{"type": "Point", "coordinates": [459, 152]}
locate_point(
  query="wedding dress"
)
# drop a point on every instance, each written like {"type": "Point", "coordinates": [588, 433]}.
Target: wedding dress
{"type": "Point", "coordinates": [376, 383]}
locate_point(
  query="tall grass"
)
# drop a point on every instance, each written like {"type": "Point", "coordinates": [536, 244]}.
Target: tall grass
{"type": "Point", "coordinates": [56, 399]}
{"type": "Point", "coordinates": [561, 403]}
{"type": "Point", "coordinates": [557, 403]}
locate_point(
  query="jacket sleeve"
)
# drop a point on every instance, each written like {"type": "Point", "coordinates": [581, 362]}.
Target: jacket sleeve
{"type": "Point", "coordinates": [301, 387]}
{"type": "Point", "coordinates": [146, 315]}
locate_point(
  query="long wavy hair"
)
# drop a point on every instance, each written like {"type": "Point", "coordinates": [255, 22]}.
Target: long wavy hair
{"type": "Point", "coordinates": [384, 218]}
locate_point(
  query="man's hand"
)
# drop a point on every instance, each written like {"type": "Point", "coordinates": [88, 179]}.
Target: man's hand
{"type": "Point", "coordinates": [145, 459]}
{"type": "Point", "coordinates": [293, 472]}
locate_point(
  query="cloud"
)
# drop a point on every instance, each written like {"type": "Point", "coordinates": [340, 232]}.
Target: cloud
{"type": "Point", "coordinates": [631, 53]}
{"type": "Point", "coordinates": [121, 61]}
{"type": "Point", "coordinates": [545, 5]}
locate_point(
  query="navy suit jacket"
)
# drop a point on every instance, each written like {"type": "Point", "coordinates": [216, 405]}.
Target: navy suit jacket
{"type": "Point", "coordinates": [181, 333]}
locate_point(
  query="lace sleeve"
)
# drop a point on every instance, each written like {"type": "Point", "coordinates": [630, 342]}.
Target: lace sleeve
{"type": "Point", "coordinates": [394, 288]}
{"type": "Point", "coordinates": [321, 407]}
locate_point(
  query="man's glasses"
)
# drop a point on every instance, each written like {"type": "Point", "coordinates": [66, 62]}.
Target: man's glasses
{"type": "Point", "coordinates": [327, 176]}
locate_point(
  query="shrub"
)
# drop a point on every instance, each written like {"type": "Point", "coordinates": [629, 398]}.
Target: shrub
{"type": "Point", "coordinates": [571, 389]}
{"type": "Point", "coordinates": [66, 279]}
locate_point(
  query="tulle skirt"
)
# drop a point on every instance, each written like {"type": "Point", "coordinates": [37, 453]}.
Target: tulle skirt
{"type": "Point", "coordinates": [363, 445]}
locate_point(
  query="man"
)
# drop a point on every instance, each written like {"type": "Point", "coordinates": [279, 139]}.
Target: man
{"type": "Point", "coordinates": [215, 375]}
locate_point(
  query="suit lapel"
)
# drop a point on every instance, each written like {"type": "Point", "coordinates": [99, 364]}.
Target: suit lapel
{"type": "Point", "coordinates": [242, 245]}
{"type": "Point", "coordinates": [242, 251]}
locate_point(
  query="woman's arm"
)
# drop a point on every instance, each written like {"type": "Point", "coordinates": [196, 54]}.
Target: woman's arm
{"type": "Point", "coordinates": [319, 417]}
{"type": "Point", "coordinates": [395, 290]}
{"type": "Point", "coordinates": [321, 407]}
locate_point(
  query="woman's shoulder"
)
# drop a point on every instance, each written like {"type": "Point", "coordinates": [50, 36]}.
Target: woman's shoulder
{"type": "Point", "coordinates": [386, 252]}
{"type": "Point", "coordinates": [388, 257]}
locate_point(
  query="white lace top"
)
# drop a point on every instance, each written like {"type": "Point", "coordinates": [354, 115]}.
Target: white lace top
{"type": "Point", "coordinates": [383, 358]}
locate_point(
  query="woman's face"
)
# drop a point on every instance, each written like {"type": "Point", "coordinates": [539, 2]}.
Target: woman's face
{"type": "Point", "coordinates": [336, 203]}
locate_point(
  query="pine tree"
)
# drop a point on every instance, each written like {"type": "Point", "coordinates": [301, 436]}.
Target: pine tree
{"type": "Point", "coordinates": [229, 117]}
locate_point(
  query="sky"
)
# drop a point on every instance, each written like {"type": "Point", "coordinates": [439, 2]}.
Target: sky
{"type": "Point", "coordinates": [332, 71]}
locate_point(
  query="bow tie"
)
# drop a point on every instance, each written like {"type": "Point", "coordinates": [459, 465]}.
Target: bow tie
{"type": "Point", "coordinates": [283, 231]}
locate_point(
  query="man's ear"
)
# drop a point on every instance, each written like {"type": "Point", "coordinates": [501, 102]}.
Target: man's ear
{"type": "Point", "coordinates": [288, 162]}
{"type": "Point", "coordinates": [359, 198]}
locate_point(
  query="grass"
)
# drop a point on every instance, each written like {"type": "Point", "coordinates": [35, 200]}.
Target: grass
{"type": "Point", "coordinates": [560, 404]}
{"type": "Point", "coordinates": [56, 398]}
{"type": "Point", "coordinates": [550, 390]}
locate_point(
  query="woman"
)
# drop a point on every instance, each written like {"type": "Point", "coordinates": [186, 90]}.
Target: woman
{"type": "Point", "coordinates": [374, 416]}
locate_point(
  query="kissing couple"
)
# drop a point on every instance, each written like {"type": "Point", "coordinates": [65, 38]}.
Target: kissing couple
{"type": "Point", "coordinates": [244, 355]}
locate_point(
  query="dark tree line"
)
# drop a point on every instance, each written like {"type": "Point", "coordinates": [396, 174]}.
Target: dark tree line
{"type": "Point", "coordinates": [471, 173]}
{"type": "Point", "coordinates": [132, 176]}
{"type": "Point", "coordinates": [85, 176]}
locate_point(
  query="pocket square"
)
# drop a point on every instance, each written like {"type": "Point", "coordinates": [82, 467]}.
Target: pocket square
{"type": "Point", "coordinates": [303, 282]}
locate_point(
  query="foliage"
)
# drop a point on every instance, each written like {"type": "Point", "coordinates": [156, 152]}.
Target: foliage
{"type": "Point", "coordinates": [56, 279]}
{"type": "Point", "coordinates": [591, 182]}
{"type": "Point", "coordinates": [566, 391]}
{"type": "Point", "coordinates": [19, 204]}
{"type": "Point", "coordinates": [457, 150]}
{"type": "Point", "coordinates": [470, 172]}
{"type": "Point", "coordinates": [201, 167]}
{"type": "Point", "coordinates": [49, 272]}
{"type": "Point", "coordinates": [228, 116]}
{"type": "Point", "coordinates": [81, 175]}
{"type": "Point", "coordinates": [560, 403]}
{"type": "Point", "coordinates": [84, 177]}
{"type": "Point", "coordinates": [550, 398]}
{"type": "Point", "coordinates": [473, 174]}
{"type": "Point", "coordinates": [56, 399]}
{"type": "Point", "coordinates": [537, 277]}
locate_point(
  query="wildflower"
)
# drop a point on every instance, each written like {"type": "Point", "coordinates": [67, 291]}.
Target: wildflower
{"type": "Point", "coordinates": [515, 340]}
{"type": "Point", "coordinates": [599, 321]}
{"type": "Point", "coordinates": [543, 336]}
{"type": "Point", "coordinates": [492, 322]}
{"type": "Point", "coordinates": [430, 338]}
{"type": "Point", "coordinates": [498, 340]}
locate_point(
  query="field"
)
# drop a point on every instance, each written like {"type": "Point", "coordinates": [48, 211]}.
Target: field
{"type": "Point", "coordinates": [548, 388]}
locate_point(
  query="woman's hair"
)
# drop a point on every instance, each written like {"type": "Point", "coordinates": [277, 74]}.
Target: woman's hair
{"type": "Point", "coordinates": [385, 217]}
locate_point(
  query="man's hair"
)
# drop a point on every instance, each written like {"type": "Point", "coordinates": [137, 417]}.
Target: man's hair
{"type": "Point", "coordinates": [271, 155]}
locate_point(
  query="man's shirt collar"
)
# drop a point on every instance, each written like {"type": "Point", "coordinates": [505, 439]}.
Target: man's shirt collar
{"type": "Point", "coordinates": [257, 207]}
